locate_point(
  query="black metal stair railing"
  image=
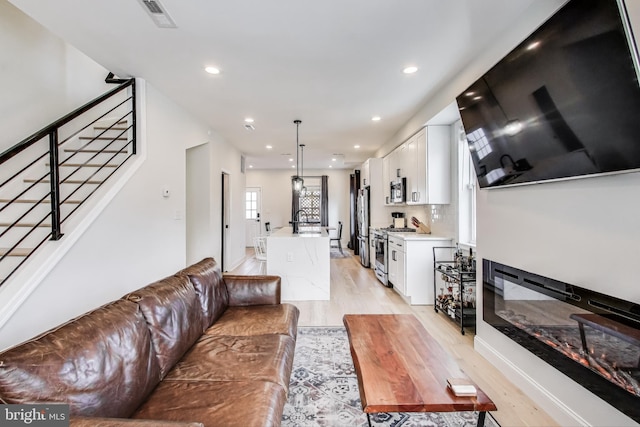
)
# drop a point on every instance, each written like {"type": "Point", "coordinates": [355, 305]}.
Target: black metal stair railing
{"type": "Point", "coordinates": [45, 178]}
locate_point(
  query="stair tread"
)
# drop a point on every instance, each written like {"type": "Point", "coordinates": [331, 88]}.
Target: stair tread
{"type": "Point", "coordinates": [70, 181]}
{"type": "Point", "coordinates": [21, 252]}
{"type": "Point", "coordinates": [76, 202]}
{"type": "Point", "coordinates": [84, 150]}
{"type": "Point", "coordinates": [109, 128]}
{"type": "Point", "coordinates": [89, 165]}
{"type": "Point", "coordinates": [104, 138]}
{"type": "Point", "coordinates": [24, 224]}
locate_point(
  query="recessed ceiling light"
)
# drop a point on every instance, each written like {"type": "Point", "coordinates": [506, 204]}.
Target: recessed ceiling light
{"type": "Point", "coordinates": [334, 160]}
{"type": "Point", "coordinates": [248, 120]}
{"type": "Point", "coordinates": [375, 118]}
{"type": "Point", "coordinates": [290, 159]}
{"type": "Point", "coordinates": [250, 166]}
{"type": "Point", "coordinates": [330, 166]}
{"type": "Point", "coordinates": [212, 70]}
{"type": "Point", "coordinates": [356, 146]}
{"type": "Point", "coordinates": [293, 166]}
{"type": "Point", "coordinates": [410, 70]}
{"type": "Point", "coordinates": [269, 147]}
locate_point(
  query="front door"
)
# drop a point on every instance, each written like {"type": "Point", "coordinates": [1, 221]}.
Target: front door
{"type": "Point", "coordinates": [252, 214]}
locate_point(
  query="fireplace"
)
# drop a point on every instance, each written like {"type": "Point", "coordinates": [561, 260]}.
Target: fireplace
{"type": "Point", "coordinates": [591, 337]}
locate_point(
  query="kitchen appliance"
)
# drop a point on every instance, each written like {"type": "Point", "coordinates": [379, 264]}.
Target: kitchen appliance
{"type": "Point", "coordinates": [398, 193]}
{"type": "Point", "coordinates": [362, 209]}
{"type": "Point", "coordinates": [399, 220]}
{"type": "Point", "coordinates": [380, 245]}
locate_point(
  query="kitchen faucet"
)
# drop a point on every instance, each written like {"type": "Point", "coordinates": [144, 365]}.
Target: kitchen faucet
{"type": "Point", "coordinates": [296, 219]}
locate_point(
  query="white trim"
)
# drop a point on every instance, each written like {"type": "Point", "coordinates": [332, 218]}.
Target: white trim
{"type": "Point", "coordinates": [549, 403]}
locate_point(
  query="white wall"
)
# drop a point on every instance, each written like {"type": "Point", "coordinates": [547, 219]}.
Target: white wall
{"type": "Point", "coordinates": [276, 196]}
{"type": "Point", "coordinates": [140, 236]}
{"type": "Point", "coordinates": [41, 77]}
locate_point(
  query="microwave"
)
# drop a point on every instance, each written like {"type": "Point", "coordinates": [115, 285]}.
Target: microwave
{"type": "Point", "coordinates": [398, 192]}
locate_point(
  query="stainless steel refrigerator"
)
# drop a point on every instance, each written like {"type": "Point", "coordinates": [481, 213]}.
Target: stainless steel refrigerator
{"type": "Point", "coordinates": [362, 209]}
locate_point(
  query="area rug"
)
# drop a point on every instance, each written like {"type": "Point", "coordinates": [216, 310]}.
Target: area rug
{"type": "Point", "coordinates": [324, 389]}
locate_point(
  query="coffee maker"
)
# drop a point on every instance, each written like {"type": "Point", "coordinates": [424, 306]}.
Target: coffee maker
{"type": "Point", "coordinates": [399, 220]}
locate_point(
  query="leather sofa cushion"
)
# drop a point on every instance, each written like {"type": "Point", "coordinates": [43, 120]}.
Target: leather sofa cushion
{"type": "Point", "coordinates": [174, 316]}
{"type": "Point", "coordinates": [217, 403]}
{"type": "Point", "coordinates": [253, 290]}
{"type": "Point", "coordinates": [228, 358]}
{"type": "Point", "coordinates": [206, 278]}
{"type": "Point", "coordinates": [254, 320]}
{"type": "Point", "coordinates": [102, 364]}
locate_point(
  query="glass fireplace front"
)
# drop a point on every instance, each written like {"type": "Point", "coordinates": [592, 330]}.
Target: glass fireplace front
{"type": "Point", "coordinates": [591, 337]}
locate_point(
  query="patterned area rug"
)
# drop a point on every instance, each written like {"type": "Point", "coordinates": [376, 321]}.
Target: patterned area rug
{"type": "Point", "coordinates": [324, 389]}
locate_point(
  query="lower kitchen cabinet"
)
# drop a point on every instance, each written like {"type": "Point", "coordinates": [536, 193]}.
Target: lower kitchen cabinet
{"type": "Point", "coordinates": [411, 265]}
{"type": "Point", "coordinates": [397, 264]}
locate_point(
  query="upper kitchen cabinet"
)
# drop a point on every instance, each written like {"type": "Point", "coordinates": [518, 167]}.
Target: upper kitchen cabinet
{"type": "Point", "coordinates": [371, 177]}
{"type": "Point", "coordinates": [365, 174]}
{"type": "Point", "coordinates": [429, 166]}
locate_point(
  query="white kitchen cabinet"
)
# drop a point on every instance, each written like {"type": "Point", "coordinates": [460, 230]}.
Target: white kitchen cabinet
{"type": "Point", "coordinates": [386, 180]}
{"type": "Point", "coordinates": [412, 265]}
{"type": "Point", "coordinates": [430, 182]}
{"type": "Point", "coordinates": [365, 175]}
{"type": "Point", "coordinates": [396, 270]}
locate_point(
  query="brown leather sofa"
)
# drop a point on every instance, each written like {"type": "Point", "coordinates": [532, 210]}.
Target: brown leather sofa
{"type": "Point", "coordinates": [197, 348]}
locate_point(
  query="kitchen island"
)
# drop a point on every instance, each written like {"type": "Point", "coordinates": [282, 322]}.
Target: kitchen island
{"type": "Point", "coordinates": [302, 260]}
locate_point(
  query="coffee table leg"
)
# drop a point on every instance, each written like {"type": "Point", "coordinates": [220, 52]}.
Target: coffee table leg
{"type": "Point", "coordinates": [481, 416]}
{"type": "Point", "coordinates": [369, 419]}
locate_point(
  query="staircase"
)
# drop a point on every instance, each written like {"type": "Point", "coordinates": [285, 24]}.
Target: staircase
{"type": "Point", "coordinates": [47, 177]}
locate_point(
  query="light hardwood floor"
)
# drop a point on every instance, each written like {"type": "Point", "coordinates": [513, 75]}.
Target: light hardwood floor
{"type": "Point", "coordinates": [355, 289]}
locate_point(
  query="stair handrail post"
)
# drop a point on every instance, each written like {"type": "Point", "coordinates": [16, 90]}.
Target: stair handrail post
{"type": "Point", "coordinates": [133, 116]}
{"type": "Point", "coordinates": [54, 171]}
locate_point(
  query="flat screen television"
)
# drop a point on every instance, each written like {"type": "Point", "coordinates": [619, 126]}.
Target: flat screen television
{"type": "Point", "coordinates": [565, 103]}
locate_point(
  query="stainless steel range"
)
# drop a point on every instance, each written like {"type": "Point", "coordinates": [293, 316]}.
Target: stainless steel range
{"type": "Point", "coordinates": [381, 245]}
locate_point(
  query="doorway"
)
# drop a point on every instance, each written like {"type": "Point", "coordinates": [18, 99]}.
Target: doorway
{"type": "Point", "coordinates": [226, 219]}
{"type": "Point", "coordinates": [253, 207]}
{"type": "Point", "coordinates": [199, 243]}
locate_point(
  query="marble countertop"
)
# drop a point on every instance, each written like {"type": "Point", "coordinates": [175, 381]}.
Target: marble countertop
{"type": "Point", "coordinates": [305, 231]}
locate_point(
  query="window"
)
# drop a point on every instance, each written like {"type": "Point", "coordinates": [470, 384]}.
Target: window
{"type": "Point", "coordinates": [251, 205]}
{"type": "Point", "coordinates": [310, 202]}
{"type": "Point", "coordinates": [468, 185]}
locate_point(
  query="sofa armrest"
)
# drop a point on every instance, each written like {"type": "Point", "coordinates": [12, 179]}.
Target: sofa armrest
{"type": "Point", "coordinates": [252, 290]}
{"type": "Point", "coordinates": [126, 422]}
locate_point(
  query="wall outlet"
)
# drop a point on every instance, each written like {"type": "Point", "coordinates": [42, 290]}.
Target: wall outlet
{"type": "Point", "coordinates": [289, 256]}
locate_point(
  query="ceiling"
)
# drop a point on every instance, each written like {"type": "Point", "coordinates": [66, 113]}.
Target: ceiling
{"type": "Point", "coordinates": [333, 64]}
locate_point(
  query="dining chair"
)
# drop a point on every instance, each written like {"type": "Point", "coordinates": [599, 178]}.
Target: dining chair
{"type": "Point", "coordinates": [338, 238]}
{"type": "Point", "coordinates": [260, 246]}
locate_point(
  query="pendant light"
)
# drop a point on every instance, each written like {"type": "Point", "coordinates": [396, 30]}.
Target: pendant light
{"type": "Point", "coordinates": [297, 180]}
{"type": "Point", "coordinates": [303, 190]}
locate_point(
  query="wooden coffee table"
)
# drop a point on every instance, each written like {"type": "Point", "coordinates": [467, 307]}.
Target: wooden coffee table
{"type": "Point", "coordinates": [401, 368]}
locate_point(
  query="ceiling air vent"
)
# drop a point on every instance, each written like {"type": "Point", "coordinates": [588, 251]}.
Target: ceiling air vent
{"type": "Point", "coordinates": [158, 13]}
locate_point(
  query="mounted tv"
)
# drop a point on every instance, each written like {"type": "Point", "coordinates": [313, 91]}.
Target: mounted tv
{"type": "Point", "coordinates": [565, 103]}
